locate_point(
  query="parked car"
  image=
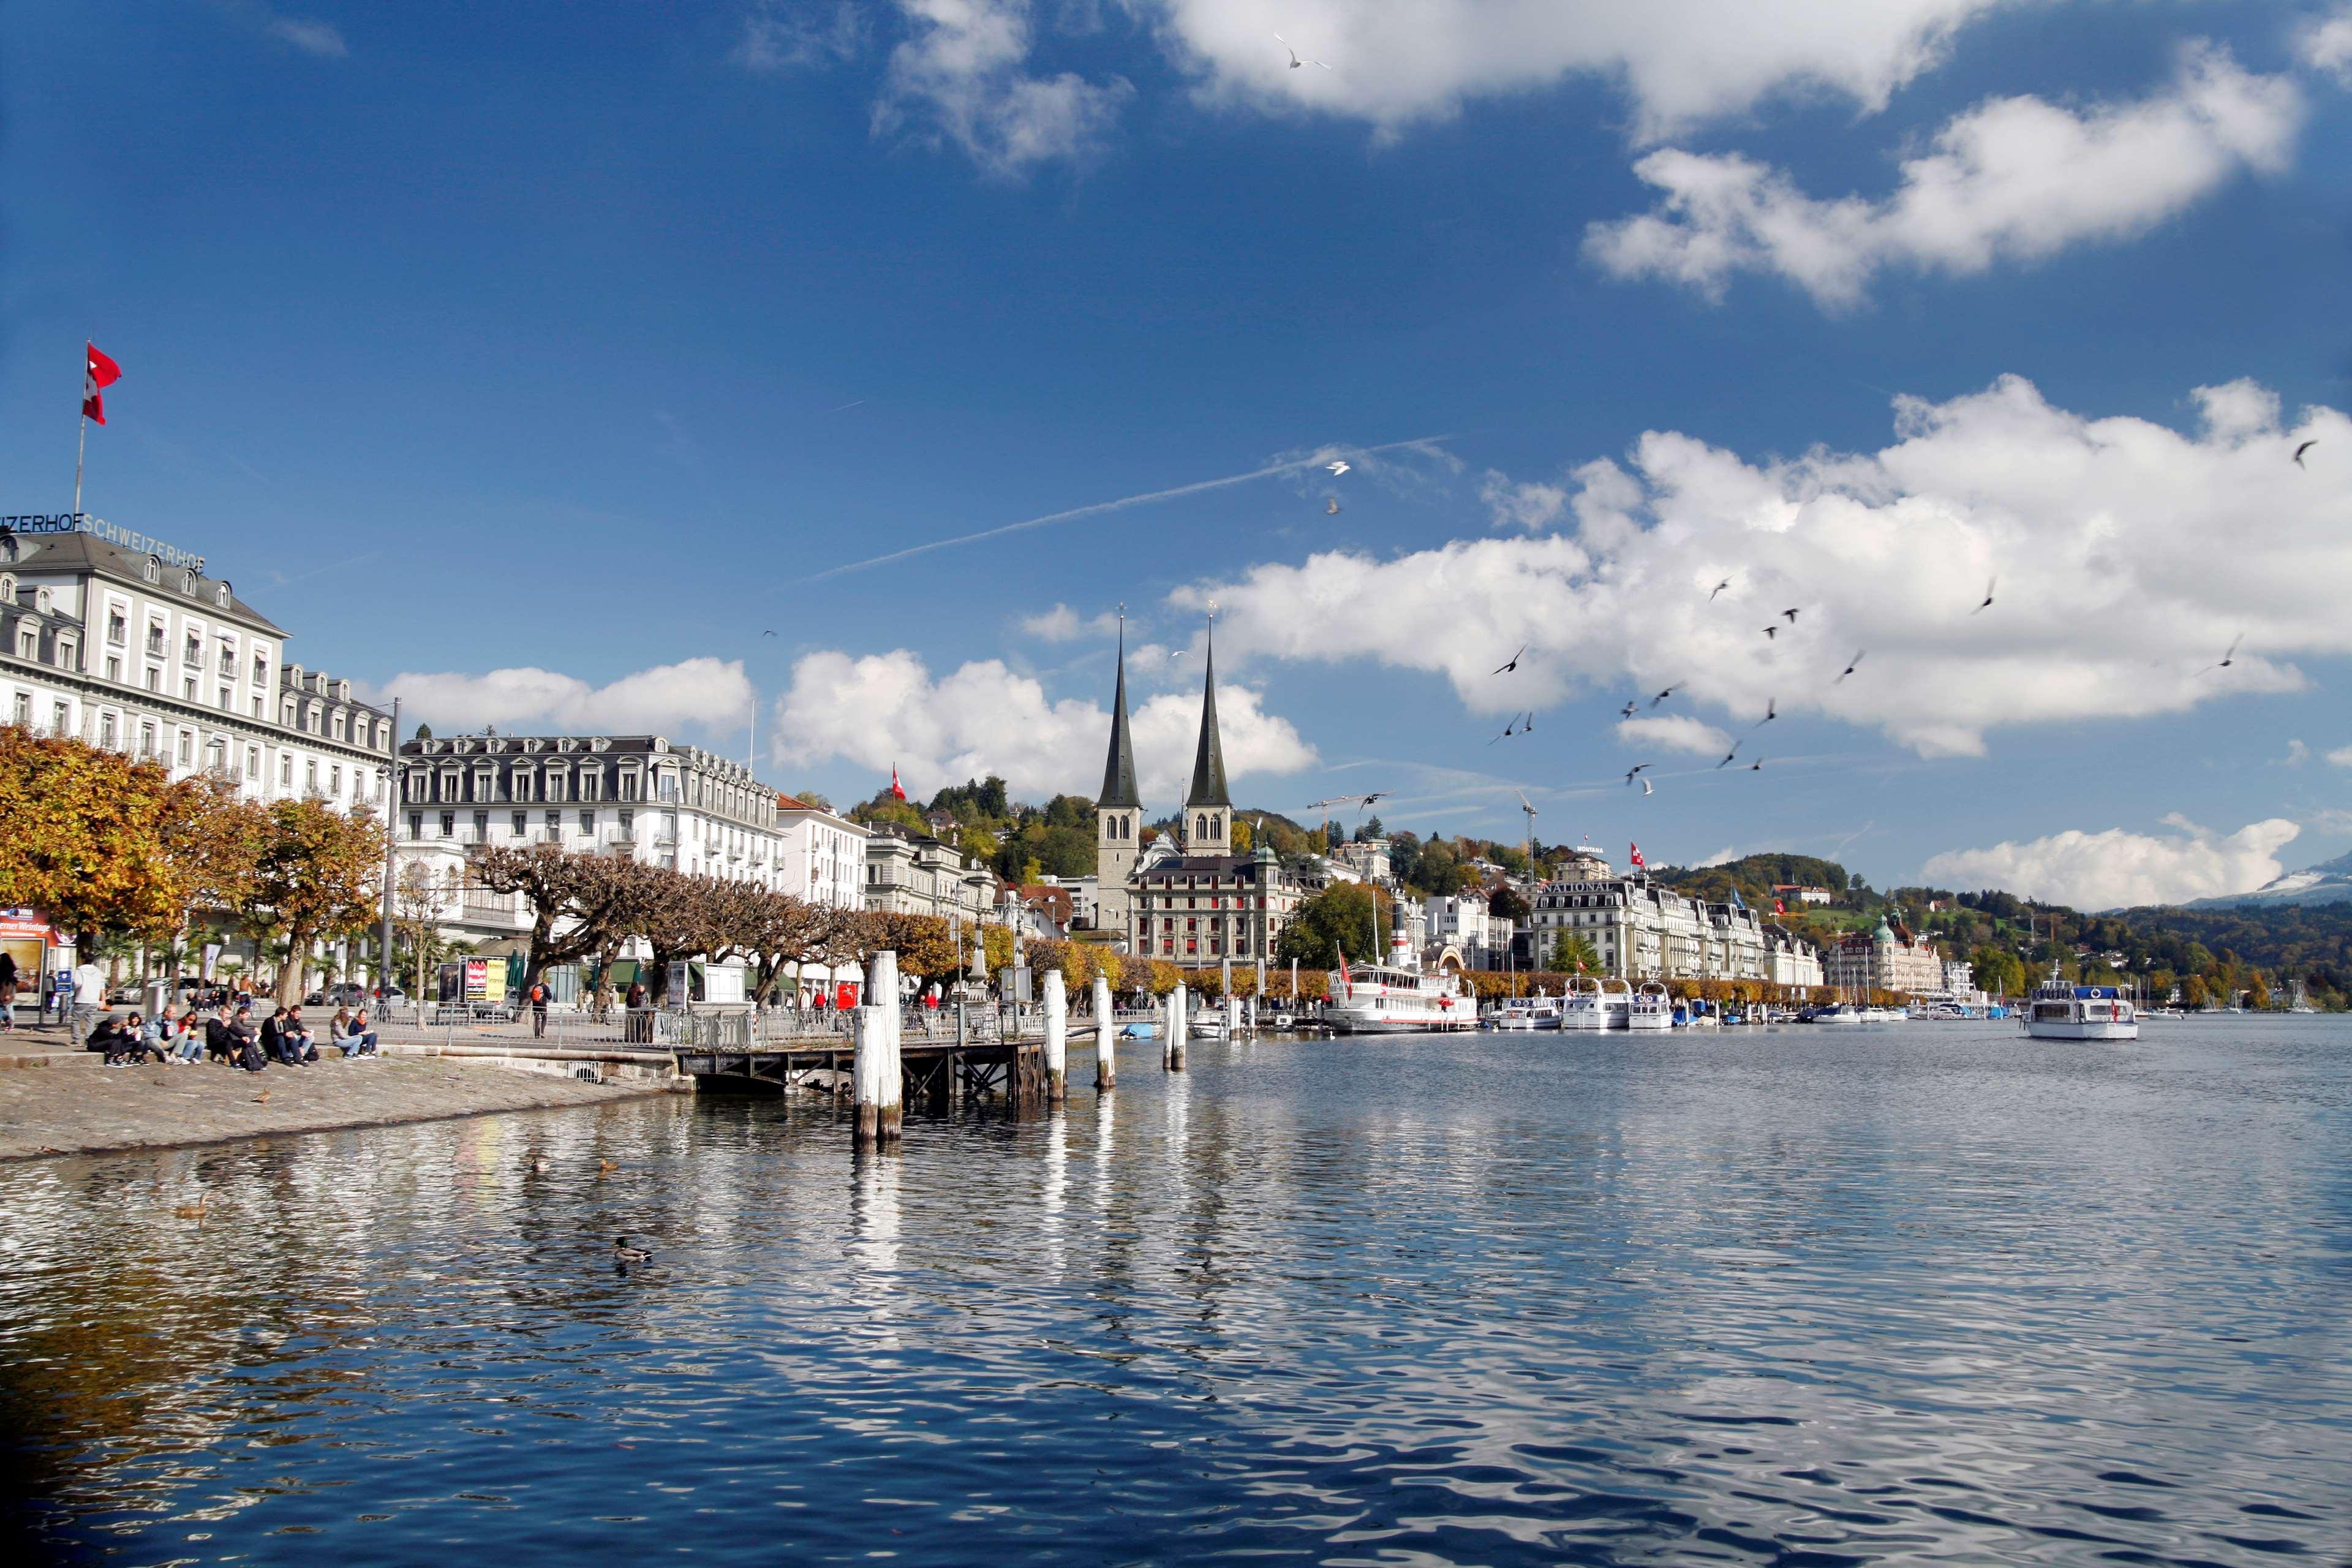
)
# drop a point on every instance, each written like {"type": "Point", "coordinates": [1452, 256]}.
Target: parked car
{"type": "Point", "coordinates": [124, 996]}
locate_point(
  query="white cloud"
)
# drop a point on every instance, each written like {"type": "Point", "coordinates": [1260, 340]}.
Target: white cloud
{"type": "Point", "coordinates": [2129, 555]}
{"type": "Point", "coordinates": [1063, 623]}
{"type": "Point", "coordinates": [2327, 45]}
{"type": "Point", "coordinates": [960, 74]}
{"type": "Point", "coordinates": [708, 693]}
{"type": "Point", "coordinates": [2297, 754]}
{"type": "Point", "coordinates": [781, 36]}
{"type": "Point", "coordinates": [1673, 732]}
{"type": "Point", "coordinates": [319, 38]}
{"type": "Point", "coordinates": [1530, 506]}
{"type": "Point", "coordinates": [2118, 868]}
{"type": "Point", "coordinates": [884, 709]}
{"type": "Point", "coordinates": [2341, 757]}
{"type": "Point", "coordinates": [1681, 62]}
{"type": "Point", "coordinates": [2012, 179]}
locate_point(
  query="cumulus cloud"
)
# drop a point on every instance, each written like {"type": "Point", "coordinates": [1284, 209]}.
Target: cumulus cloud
{"type": "Point", "coordinates": [883, 709]}
{"type": "Point", "coordinates": [2117, 590]}
{"type": "Point", "coordinates": [1063, 623]}
{"type": "Point", "coordinates": [1673, 732]}
{"type": "Point", "coordinates": [2297, 754]}
{"type": "Point", "coordinates": [2012, 179]}
{"type": "Point", "coordinates": [2327, 45]}
{"type": "Point", "coordinates": [1680, 62]}
{"type": "Point", "coordinates": [704, 692]}
{"type": "Point", "coordinates": [961, 75]}
{"type": "Point", "coordinates": [2118, 868]}
{"type": "Point", "coordinates": [1528, 505]}
{"type": "Point", "coordinates": [2341, 757]}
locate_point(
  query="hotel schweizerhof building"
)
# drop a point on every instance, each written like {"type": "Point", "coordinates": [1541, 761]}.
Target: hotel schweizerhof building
{"type": "Point", "coordinates": [1188, 899]}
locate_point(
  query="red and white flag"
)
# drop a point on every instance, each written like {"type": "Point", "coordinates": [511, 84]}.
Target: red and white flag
{"type": "Point", "coordinates": [897, 790]}
{"type": "Point", "coordinates": [1639, 864]}
{"type": "Point", "coordinates": [98, 373]}
{"type": "Point", "coordinates": [1779, 908]}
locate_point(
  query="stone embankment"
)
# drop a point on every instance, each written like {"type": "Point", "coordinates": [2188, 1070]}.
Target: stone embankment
{"type": "Point", "coordinates": [67, 1103]}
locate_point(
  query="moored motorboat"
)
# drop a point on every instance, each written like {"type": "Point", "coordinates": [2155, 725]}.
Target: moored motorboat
{"type": "Point", "coordinates": [1598, 1009]}
{"type": "Point", "coordinates": [1650, 1008]}
{"type": "Point", "coordinates": [2061, 1012]}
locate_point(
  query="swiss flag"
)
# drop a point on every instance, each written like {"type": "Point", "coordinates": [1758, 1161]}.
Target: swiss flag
{"type": "Point", "coordinates": [897, 790]}
{"type": "Point", "coordinates": [1779, 908]}
{"type": "Point", "coordinates": [98, 373]}
{"type": "Point", "coordinates": [1639, 864]}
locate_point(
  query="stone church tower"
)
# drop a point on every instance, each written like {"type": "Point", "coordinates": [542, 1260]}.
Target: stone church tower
{"type": "Point", "coordinates": [1118, 816]}
{"type": "Point", "coordinates": [1208, 808]}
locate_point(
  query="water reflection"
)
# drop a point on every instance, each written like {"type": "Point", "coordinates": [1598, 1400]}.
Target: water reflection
{"type": "Point", "coordinates": [1791, 1299]}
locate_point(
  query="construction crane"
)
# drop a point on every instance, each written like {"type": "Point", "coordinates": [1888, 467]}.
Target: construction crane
{"type": "Point", "coordinates": [1362, 803]}
{"type": "Point", "coordinates": [1528, 807]}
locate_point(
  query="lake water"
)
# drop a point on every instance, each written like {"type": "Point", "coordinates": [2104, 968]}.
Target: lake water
{"type": "Point", "coordinates": [1905, 1294]}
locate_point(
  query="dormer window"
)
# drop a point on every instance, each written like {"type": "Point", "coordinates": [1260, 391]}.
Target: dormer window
{"type": "Point", "coordinates": [187, 583]}
{"type": "Point", "coordinates": [221, 595]}
{"type": "Point", "coordinates": [7, 590]}
{"type": "Point", "coordinates": [154, 570]}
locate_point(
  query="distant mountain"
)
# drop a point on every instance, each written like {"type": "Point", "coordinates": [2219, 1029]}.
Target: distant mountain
{"type": "Point", "coordinates": [2329, 883]}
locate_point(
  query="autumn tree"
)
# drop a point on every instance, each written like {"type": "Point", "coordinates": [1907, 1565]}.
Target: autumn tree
{"type": "Point", "coordinates": [80, 834]}
{"type": "Point", "coordinates": [925, 946]}
{"type": "Point", "coordinates": [1340, 919]}
{"type": "Point", "coordinates": [315, 879]}
{"type": "Point", "coordinates": [569, 898]}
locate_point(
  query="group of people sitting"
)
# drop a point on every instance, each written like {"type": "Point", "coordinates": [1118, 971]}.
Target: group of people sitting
{"type": "Point", "coordinates": [227, 1033]}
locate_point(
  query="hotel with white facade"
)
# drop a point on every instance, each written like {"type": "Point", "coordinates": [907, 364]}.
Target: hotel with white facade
{"type": "Point", "coordinates": [136, 650]}
{"type": "Point", "coordinates": [1641, 931]}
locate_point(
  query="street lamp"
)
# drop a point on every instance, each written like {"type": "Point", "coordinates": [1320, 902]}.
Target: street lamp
{"type": "Point", "coordinates": [387, 775]}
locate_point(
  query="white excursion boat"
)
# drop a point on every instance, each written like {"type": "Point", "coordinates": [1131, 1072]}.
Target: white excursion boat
{"type": "Point", "coordinates": [1598, 1008]}
{"type": "Point", "coordinates": [1397, 997]}
{"type": "Point", "coordinates": [1650, 1008]}
{"type": "Point", "coordinates": [1844, 1013]}
{"type": "Point", "coordinates": [2061, 1012]}
{"type": "Point", "coordinates": [1525, 1013]}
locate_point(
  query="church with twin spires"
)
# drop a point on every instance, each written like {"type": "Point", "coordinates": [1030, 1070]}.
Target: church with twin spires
{"type": "Point", "coordinates": [1186, 898]}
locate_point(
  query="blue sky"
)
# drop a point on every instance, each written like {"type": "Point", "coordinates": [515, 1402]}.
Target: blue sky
{"type": "Point", "coordinates": [535, 360]}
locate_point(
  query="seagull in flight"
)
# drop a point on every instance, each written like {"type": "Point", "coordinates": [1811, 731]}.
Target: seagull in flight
{"type": "Point", "coordinates": [1771, 632]}
{"type": "Point", "coordinates": [1662, 696]}
{"type": "Point", "coordinates": [1771, 712]}
{"type": "Point", "coordinates": [1626, 711]}
{"type": "Point", "coordinates": [1851, 665]}
{"type": "Point", "coordinates": [1756, 766]}
{"type": "Point", "coordinates": [1719, 587]}
{"type": "Point", "coordinates": [1728, 755]}
{"type": "Point", "coordinates": [1509, 730]}
{"type": "Point", "coordinates": [1637, 768]}
{"type": "Point", "coordinates": [767, 634]}
{"type": "Point", "coordinates": [1338, 467]}
{"type": "Point", "coordinates": [1331, 506]}
{"type": "Point", "coordinates": [1294, 61]}
{"type": "Point", "coordinates": [1990, 584]}
{"type": "Point", "coordinates": [2299, 451]}
{"type": "Point", "coordinates": [2230, 656]}
{"type": "Point", "coordinates": [1514, 663]}
{"type": "Point", "coordinates": [1646, 789]}
{"type": "Point", "coordinates": [1791, 614]}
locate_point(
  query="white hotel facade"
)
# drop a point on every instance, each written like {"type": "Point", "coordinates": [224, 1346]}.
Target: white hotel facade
{"type": "Point", "coordinates": [138, 651]}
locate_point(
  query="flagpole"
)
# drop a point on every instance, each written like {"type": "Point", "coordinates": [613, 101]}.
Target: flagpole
{"type": "Point", "coordinates": [81, 446]}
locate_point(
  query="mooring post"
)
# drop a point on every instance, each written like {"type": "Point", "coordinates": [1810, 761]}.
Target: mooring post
{"type": "Point", "coordinates": [880, 1084]}
{"type": "Point", "coordinates": [1106, 1033]}
{"type": "Point", "coordinates": [1057, 1037]}
{"type": "Point", "coordinates": [1172, 1055]}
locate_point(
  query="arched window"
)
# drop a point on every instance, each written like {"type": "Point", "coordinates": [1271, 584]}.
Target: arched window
{"type": "Point", "coordinates": [7, 590]}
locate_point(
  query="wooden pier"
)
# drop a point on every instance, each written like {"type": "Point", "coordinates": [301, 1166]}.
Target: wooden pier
{"type": "Point", "coordinates": [934, 1074]}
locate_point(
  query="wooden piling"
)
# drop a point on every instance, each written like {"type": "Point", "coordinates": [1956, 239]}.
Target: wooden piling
{"type": "Point", "coordinates": [1057, 1037]}
{"type": "Point", "coordinates": [880, 1113]}
{"type": "Point", "coordinates": [1106, 1035]}
{"type": "Point", "coordinates": [1172, 1049]}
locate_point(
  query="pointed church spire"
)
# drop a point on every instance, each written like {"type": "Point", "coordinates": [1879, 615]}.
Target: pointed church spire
{"type": "Point", "coordinates": [1119, 768]}
{"type": "Point", "coordinates": [1209, 761]}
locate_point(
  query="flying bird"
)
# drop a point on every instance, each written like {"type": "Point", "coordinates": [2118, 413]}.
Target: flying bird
{"type": "Point", "coordinates": [1662, 696]}
{"type": "Point", "coordinates": [1374, 797]}
{"type": "Point", "coordinates": [1771, 632]}
{"type": "Point", "coordinates": [1637, 768]}
{"type": "Point", "coordinates": [1728, 755]}
{"type": "Point", "coordinates": [1646, 789]}
{"type": "Point", "coordinates": [2230, 656]}
{"type": "Point", "coordinates": [1852, 665]}
{"type": "Point", "coordinates": [1336, 467]}
{"type": "Point", "coordinates": [1756, 766]}
{"type": "Point", "coordinates": [2299, 451]}
{"type": "Point", "coordinates": [1514, 663]}
{"type": "Point", "coordinates": [1294, 61]}
{"type": "Point", "coordinates": [1528, 722]}
{"type": "Point", "coordinates": [1771, 710]}
{"type": "Point", "coordinates": [1791, 614]}
{"type": "Point", "coordinates": [1990, 584]}
{"type": "Point", "coordinates": [1331, 506]}
{"type": "Point", "coordinates": [1626, 711]}
{"type": "Point", "coordinates": [767, 634]}
{"type": "Point", "coordinates": [1719, 587]}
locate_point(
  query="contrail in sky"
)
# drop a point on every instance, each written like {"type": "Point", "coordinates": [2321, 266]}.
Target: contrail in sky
{"type": "Point", "coordinates": [1315, 461]}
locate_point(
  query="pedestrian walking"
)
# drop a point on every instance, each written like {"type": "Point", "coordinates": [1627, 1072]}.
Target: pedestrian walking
{"type": "Point", "coordinates": [539, 998]}
{"type": "Point", "coordinates": [89, 996]}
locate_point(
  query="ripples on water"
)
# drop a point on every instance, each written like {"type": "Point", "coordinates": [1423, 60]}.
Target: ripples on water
{"type": "Point", "coordinates": [1926, 1293]}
